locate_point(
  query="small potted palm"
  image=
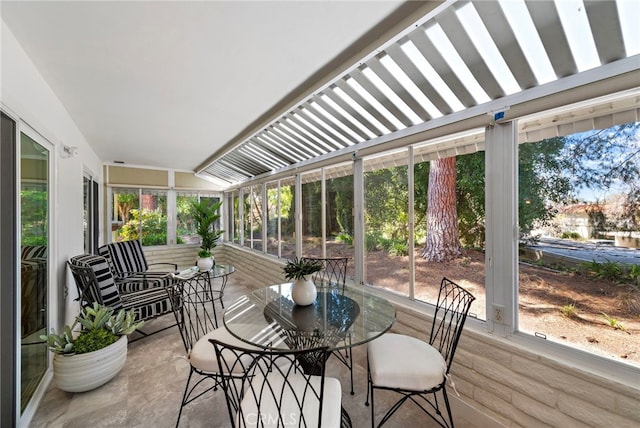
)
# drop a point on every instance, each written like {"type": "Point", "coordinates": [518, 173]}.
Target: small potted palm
{"type": "Point", "coordinates": [86, 359]}
{"type": "Point", "coordinates": [205, 215]}
{"type": "Point", "coordinates": [300, 270]}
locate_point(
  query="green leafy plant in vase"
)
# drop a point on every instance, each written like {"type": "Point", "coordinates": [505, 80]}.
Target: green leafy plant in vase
{"type": "Point", "coordinates": [205, 215]}
{"type": "Point", "coordinates": [303, 291]}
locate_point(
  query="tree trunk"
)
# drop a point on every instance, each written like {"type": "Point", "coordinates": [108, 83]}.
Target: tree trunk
{"type": "Point", "coordinates": [443, 240]}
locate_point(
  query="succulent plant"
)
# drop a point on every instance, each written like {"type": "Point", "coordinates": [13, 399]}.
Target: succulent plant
{"type": "Point", "coordinates": [99, 329]}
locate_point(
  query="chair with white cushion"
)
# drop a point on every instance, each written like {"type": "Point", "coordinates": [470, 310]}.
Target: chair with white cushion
{"type": "Point", "coordinates": [275, 391]}
{"type": "Point", "coordinates": [192, 305]}
{"type": "Point", "coordinates": [418, 370]}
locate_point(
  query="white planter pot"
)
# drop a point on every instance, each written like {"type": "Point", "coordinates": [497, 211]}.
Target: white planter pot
{"type": "Point", "coordinates": [205, 264]}
{"type": "Point", "coordinates": [84, 372]}
{"type": "Point", "coordinates": [304, 292]}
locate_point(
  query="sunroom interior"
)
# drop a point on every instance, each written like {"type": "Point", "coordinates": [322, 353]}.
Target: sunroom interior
{"type": "Point", "coordinates": [337, 163]}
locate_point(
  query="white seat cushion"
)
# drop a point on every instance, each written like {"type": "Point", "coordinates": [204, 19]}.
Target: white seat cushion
{"type": "Point", "coordinates": [203, 354]}
{"type": "Point", "coordinates": [400, 361]}
{"type": "Point", "coordinates": [331, 407]}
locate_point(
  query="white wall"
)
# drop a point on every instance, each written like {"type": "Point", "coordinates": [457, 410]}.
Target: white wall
{"type": "Point", "coordinates": [25, 95]}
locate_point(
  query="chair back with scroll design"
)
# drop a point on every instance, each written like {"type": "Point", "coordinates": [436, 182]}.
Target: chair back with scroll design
{"type": "Point", "coordinates": [193, 307]}
{"type": "Point", "coordinates": [334, 270]}
{"type": "Point", "coordinates": [449, 318]}
{"type": "Point", "coordinates": [425, 371]}
{"type": "Point", "coordinates": [274, 389]}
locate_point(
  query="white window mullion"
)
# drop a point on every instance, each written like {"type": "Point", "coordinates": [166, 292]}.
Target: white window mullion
{"type": "Point", "coordinates": [323, 212]}
{"type": "Point", "coordinates": [263, 192]}
{"type": "Point", "coordinates": [501, 206]}
{"type": "Point", "coordinates": [279, 211]}
{"type": "Point", "coordinates": [411, 244]}
{"type": "Point", "coordinates": [299, 214]}
{"type": "Point", "coordinates": [358, 220]}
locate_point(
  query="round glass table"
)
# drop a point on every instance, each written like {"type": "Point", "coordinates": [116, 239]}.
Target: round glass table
{"type": "Point", "coordinates": [340, 317]}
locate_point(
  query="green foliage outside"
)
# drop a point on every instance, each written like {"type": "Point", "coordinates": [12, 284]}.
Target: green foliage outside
{"type": "Point", "coordinates": [571, 235]}
{"type": "Point", "coordinates": [613, 271]}
{"type": "Point", "coordinates": [345, 238]}
{"type": "Point", "coordinates": [153, 224]}
{"type": "Point", "coordinates": [387, 202]}
{"type": "Point", "coordinates": [312, 209]}
{"type": "Point", "coordinates": [34, 222]}
{"type": "Point", "coordinates": [185, 224]}
{"type": "Point", "coordinates": [340, 192]}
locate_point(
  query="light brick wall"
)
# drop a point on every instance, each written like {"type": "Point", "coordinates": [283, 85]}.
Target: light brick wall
{"type": "Point", "coordinates": [496, 378]}
{"type": "Point", "coordinates": [184, 255]}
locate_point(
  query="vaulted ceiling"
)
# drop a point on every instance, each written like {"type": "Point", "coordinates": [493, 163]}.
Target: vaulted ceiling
{"type": "Point", "coordinates": [234, 90]}
{"type": "Point", "coordinates": [167, 83]}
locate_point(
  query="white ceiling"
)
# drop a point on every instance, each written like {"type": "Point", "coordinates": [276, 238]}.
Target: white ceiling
{"type": "Point", "coordinates": [166, 84]}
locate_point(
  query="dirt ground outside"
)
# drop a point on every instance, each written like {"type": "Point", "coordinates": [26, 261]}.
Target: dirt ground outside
{"type": "Point", "coordinates": [565, 307]}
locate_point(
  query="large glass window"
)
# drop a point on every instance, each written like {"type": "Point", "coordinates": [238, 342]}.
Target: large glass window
{"type": "Point", "coordinates": [34, 277]}
{"type": "Point", "coordinates": [256, 217]}
{"type": "Point", "coordinates": [386, 220]}
{"type": "Point", "coordinates": [185, 226]}
{"type": "Point", "coordinates": [124, 200]}
{"type": "Point", "coordinates": [253, 217]}
{"type": "Point", "coordinates": [287, 219]}
{"type": "Point", "coordinates": [449, 194]}
{"type": "Point", "coordinates": [235, 219]}
{"type": "Point", "coordinates": [312, 214]}
{"type": "Point", "coordinates": [339, 213]}
{"type": "Point", "coordinates": [579, 216]}
{"type": "Point", "coordinates": [273, 219]}
{"type": "Point", "coordinates": [280, 221]}
{"type": "Point", "coordinates": [140, 214]}
{"type": "Point", "coordinates": [90, 215]}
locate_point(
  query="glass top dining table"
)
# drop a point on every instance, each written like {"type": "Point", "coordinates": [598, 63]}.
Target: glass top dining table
{"type": "Point", "coordinates": [341, 317]}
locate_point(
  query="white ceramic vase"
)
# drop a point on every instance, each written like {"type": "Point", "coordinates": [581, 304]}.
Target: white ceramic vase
{"type": "Point", "coordinates": [84, 372]}
{"type": "Point", "coordinates": [304, 292]}
{"type": "Point", "coordinates": [205, 264]}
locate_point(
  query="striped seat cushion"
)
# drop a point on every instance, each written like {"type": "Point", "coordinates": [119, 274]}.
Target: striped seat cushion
{"type": "Point", "coordinates": [147, 304]}
{"type": "Point", "coordinates": [144, 281]}
{"type": "Point", "coordinates": [106, 284]}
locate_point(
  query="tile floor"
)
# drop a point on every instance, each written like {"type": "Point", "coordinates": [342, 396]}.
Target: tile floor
{"type": "Point", "coordinates": [148, 391]}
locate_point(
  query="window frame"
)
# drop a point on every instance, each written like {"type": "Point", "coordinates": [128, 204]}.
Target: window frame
{"type": "Point", "coordinates": [500, 141]}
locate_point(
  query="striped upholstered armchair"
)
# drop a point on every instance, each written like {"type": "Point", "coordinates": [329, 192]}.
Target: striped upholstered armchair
{"type": "Point", "coordinates": [130, 268]}
{"type": "Point", "coordinates": [96, 283]}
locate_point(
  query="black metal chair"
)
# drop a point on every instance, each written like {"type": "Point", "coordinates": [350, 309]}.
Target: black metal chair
{"type": "Point", "coordinates": [334, 270]}
{"type": "Point", "coordinates": [334, 274]}
{"type": "Point", "coordinates": [418, 370]}
{"type": "Point", "coordinates": [274, 391]}
{"type": "Point", "coordinates": [194, 309]}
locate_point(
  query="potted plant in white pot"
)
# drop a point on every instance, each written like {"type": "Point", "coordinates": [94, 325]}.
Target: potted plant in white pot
{"type": "Point", "coordinates": [304, 290]}
{"type": "Point", "coordinates": [86, 359]}
{"type": "Point", "coordinates": [205, 215]}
